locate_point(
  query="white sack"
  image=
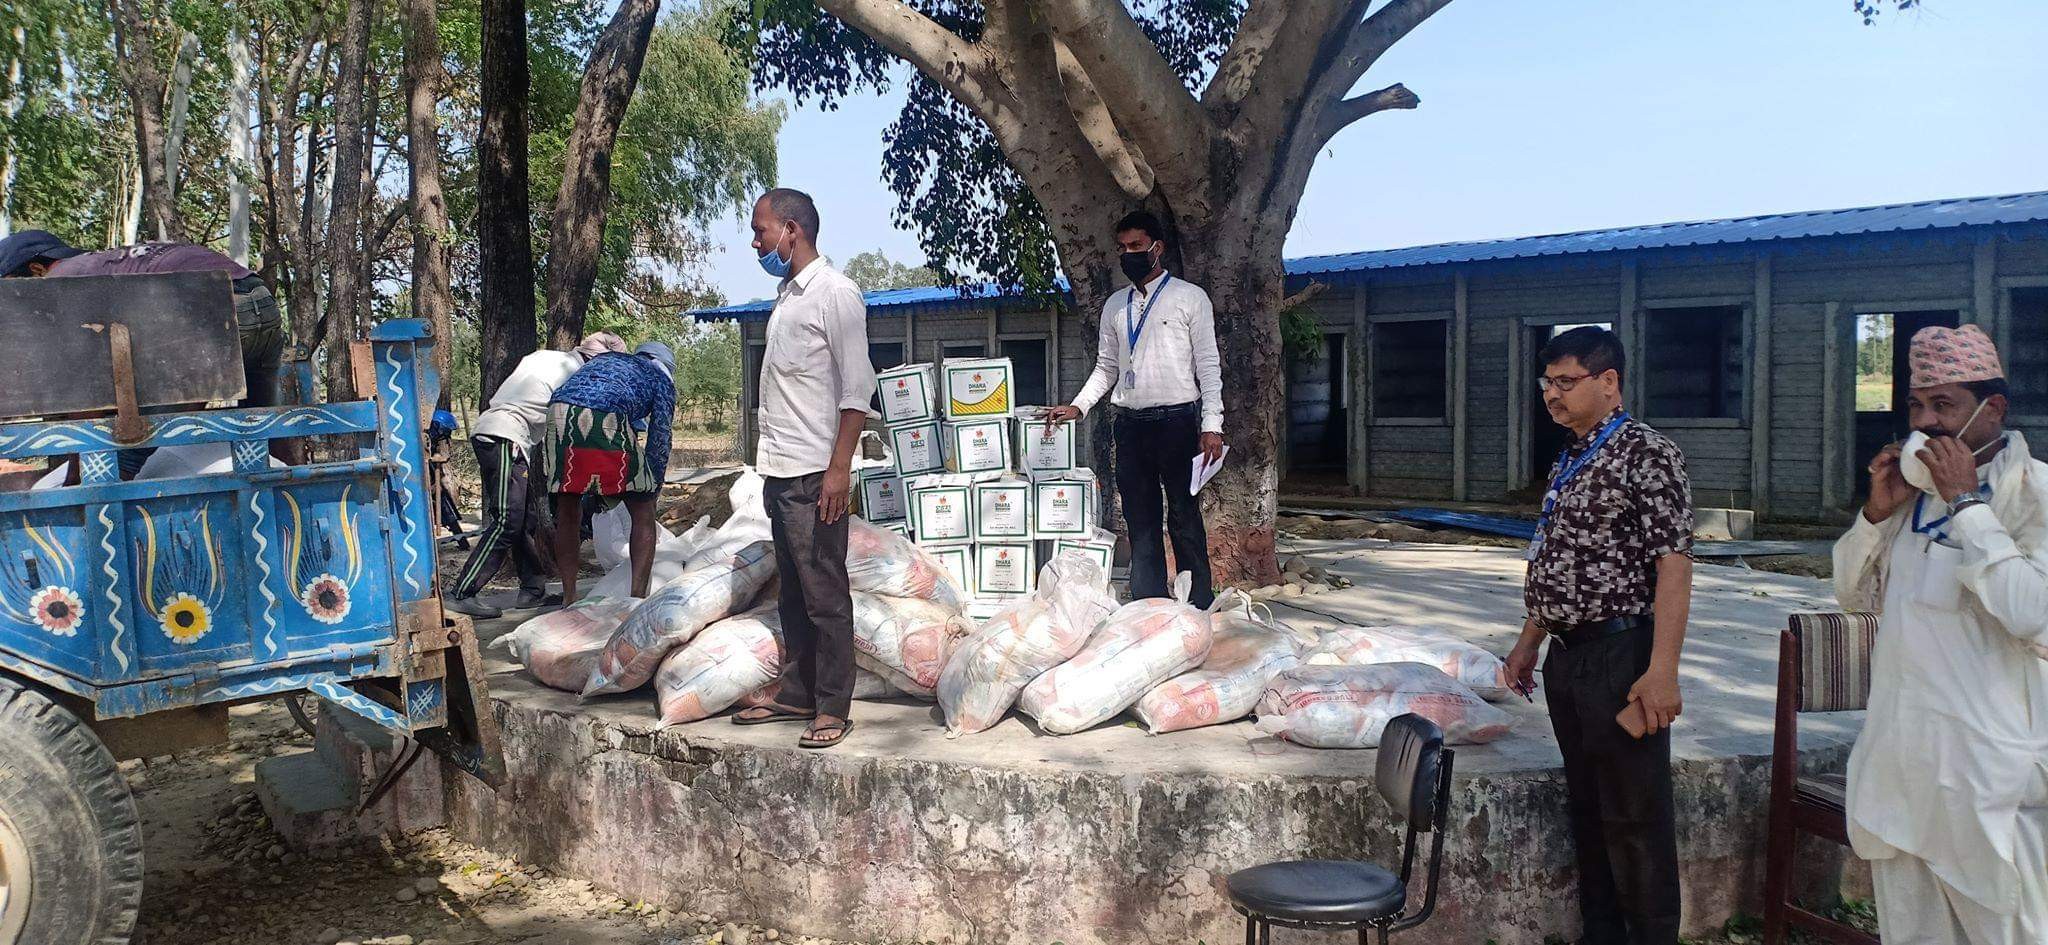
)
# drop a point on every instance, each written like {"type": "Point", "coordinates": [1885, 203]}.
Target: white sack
{"type": "Point", "coordinates": [866, 686]}
{"type": "Point", "coordinates": [1246, 652]}
{"type": "Point", "coordinates": [1459, 659]}
{"type": "Point", "coordinates": [906, 640]}
{"type": "Point", "coordinates": [879, 561]}
{"type": "Point", "coordinates": [727, 660]}
{"type": "Point", "coordinates": [1022, 641]}
{"type": "Point", "coordinates": [1349, 706]}
{"type": "Point", "coordinates": [748, 524]}
{"type": "Point", "coordinates": [1141, 645]}
{"type": "Point", "coordinates": [611, 533]}
{"type": "Point", "coordinates": [670, 616]}
{"type": "Point", "coordinates": [671, 556]}
{"type": "Point", "coordinates": [560, 648]}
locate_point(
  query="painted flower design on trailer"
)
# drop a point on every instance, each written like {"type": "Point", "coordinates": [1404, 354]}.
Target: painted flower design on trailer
{"type": "Point", "coordinates": [58, 610]}
{"type": "Point", "coordinates": [326, 599]}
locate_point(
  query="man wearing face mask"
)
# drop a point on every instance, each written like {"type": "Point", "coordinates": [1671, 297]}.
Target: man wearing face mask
{"type": "Point", "coordinates": [1948, 783]}
{"type": "Point", "coordinates": [1157, 351]}
{"type": "Point", "coordinates": [816, 382]}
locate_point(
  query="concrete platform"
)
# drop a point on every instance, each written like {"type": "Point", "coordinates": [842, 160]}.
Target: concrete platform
{"type": "Point", "coordinates": [1113, 835]}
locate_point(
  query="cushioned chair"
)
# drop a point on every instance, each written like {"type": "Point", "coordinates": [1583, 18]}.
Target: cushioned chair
{"type": "Point", "coordinates": [1414, 777]}
{"type": "Point", "coordinates": [1823, 666]}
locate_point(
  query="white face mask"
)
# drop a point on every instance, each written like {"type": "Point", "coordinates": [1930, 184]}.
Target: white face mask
{"type": "Point", "coordinates": [1916, 472]}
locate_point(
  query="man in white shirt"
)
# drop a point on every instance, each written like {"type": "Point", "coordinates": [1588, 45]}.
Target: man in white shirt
{"type": "Point", "coordinates": [816, 383]}
{"type": "Point", "coordinates": [504, 436]}
{"type": "Point", "coordinates": [1948, 782]}
{"type": "Point", "coordinates": [1157, 350]}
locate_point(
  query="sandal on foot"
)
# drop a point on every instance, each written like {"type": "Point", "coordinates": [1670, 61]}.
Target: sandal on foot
{"type": "Point", "coordinates": [811, 739]}
{"type": "Point", "coordinates": [776, 713]}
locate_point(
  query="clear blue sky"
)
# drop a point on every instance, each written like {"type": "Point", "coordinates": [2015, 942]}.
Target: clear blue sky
{"type": "Point", "coordinates": [1544, 117]}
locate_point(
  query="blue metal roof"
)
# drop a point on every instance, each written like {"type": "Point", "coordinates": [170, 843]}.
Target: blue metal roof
{"type": "Point", "coordinates": [1891, 218]}
{"type": "Point", "coordinates": [1926, 215]}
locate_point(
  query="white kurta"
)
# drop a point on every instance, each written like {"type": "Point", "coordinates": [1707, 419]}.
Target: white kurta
{"type": "Point", "coordinates": [1951, 769]}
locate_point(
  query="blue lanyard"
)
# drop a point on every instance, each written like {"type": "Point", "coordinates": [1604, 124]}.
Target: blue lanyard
{"type": "Point", "coordinates": [1574, 463]}
{"type": "Point", "coordinates": [1934, 530]}
{"type": "Point", "coordinates": [1131, 333]}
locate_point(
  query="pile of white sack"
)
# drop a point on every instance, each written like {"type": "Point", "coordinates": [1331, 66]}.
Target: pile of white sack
{"type": "Point", "coordinates": [709, 637]}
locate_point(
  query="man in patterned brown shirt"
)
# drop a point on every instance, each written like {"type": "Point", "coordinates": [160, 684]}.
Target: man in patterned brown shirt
{"type": "Point", "coordinates": [1610, 584]}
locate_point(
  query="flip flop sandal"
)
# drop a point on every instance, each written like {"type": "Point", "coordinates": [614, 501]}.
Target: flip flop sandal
{"type": "Point", "coordinates": [775, 714]}
{"type": "Point", "coordinates": [811, 741]}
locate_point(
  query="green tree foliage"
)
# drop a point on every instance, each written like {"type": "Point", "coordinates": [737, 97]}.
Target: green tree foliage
{"type": "Point", "coordinates": [708, 363]}
{"type": "Point", "coordinates": [874, 272]}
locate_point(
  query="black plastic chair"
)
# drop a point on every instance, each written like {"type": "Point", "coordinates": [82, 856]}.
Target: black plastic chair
{"type": "Point", "coordinates": [1414, 777]}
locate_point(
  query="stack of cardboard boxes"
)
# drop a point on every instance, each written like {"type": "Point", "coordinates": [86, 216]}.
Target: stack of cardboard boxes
{"type": "Point", "coordinates": [988, 487]}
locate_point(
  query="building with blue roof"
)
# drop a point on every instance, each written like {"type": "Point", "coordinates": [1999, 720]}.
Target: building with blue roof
{"type": "Point", "coordinates": [1759, 344]}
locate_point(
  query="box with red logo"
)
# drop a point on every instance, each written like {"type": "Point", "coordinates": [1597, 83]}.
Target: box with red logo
{"type": "Point", "coordinates": [916, 449]}
{"type": "Point", "coordinates": [977, 389]}
{"type": "Point", "coordinates": [958, 560]}
{"type": "Point", "coordinates": [1063, 504]}
{"type": "Point", "coordinates": [941, 510]}
{"type": "Point", "coordinates": [974, 446]}
{"type": "Point", "coordinates": [1004, 568]}
{"type": "Point", "coordinates": [1002, 509]}
{"type": "Point", "coordinates": [906, 394]}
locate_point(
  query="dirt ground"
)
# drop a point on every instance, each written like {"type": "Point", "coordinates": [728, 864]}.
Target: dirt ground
{"type": "Point", "coordinates": [1333, 527]}
{"type": "Point", "coordinates": [218, 874]}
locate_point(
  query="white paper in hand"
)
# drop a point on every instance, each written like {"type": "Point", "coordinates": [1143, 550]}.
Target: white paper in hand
{"type": "Point", "coordinates": [1204, 471]}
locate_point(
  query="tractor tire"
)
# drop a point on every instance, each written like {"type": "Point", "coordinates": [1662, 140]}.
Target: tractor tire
{"type": "Point", "coordinates": [70, 841]}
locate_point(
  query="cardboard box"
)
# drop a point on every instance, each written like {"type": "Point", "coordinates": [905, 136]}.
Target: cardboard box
{"type": "Point", "coordinates": [899, 526]}
{"type": "Point", "coordinates": [907, 394]}
{"type": "Point", "coordinates": [1002, 510]}
{"type": "Point", "coordinates": [958, 560]}
{"type": "Point", "coordinates": [974, 446]}
{"type": "Point", "coordinates": [941, 513]}
{"type": "Point", "coordinates": [1063, 504]}
{"type": "Point", "coordinates": [1043, 446]}
{"type": "Point", "coordinates": [982, 610]}
{"type": "Point", "coordinates": [1004, 568]}
{"type": "Point", "coordinates": [916, 449]}
{"type": "Point", "coordinates": [1100, 546]}
{"type": "Point", "coordinates": [976, 388]}
{"type": "Point", "coordinates": [881, 495]}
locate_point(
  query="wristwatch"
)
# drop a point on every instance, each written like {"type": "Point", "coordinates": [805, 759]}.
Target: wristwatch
{"type": "Point", "coordinates": [1963, 502]}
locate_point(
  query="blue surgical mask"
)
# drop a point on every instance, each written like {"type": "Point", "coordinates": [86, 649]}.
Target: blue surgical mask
{"type": "Point", "coordinates": [775, 264]}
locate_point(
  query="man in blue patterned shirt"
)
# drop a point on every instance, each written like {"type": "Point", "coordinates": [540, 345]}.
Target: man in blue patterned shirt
{"type": "Point", "coordinates": [593, 448]}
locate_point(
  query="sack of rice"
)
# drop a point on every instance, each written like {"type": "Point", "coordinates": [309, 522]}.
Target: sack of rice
{"type": "Point", "coordinates": [1141, 645]}
{"type": "Point", "coordinates": [670, 616]}
{"type": "Point", "coordinates": [1022, 641]}
{"type": "Point", "coordinates": [906, 640]}
{"type": "Point", "coordinates": [561, 648]}
{"type": "Point", "coordinates": [747, 524]}
{"type": "Point", "coordinates": [879, 561]}
{"type": "Point", "coordinates": [1248, 649]}
{"type": "Point", "coordinates": [1349, 706]}
{"type": "Point", "coordinates": [671, 557]}
{"type": "Point", "coordinates": [727, 660]}
{"type": "Point", "coordinates": [1464, 661]}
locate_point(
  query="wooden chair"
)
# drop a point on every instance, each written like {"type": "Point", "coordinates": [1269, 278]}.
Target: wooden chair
{"type": "Point", "coordinates": [1414, 778]}
{"type": "Point", "coordinates": [1823, 666]}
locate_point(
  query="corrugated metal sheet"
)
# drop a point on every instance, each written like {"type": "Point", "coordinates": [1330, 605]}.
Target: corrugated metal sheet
{"type": "Point", "coordinates": [1892, 218]}
{"type": "Point", "coordinates": [2007, 210]}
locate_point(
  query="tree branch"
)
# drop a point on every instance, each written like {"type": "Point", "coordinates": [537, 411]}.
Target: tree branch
{"type": "Point", "coordinates": [1284, 32]}
{"type": "Point", "coordinates": [1168, 127]}
{"type": "Point", "coordinates": [930, 48]}
{"type": "Point", "coordinates": [1308, 293]}
{"type": "Point", "coordinates": [1372, 38]}
{"type": "Point", "coordinates": [1133, 175]}
{"type": "Point", "coordinates": [1343, 113]}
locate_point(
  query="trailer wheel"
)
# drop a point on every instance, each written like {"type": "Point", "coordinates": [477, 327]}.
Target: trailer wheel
{"type": "Point", "coordinates": [70, 842]}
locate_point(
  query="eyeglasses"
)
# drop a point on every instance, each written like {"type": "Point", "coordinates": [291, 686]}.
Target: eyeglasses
{"type": "Point", "coordinates": [1562, 383]}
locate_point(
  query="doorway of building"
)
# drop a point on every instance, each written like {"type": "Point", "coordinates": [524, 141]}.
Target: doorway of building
{"type": "Point", "coordinates": [1546, 439]}
{"type": "Point", "coordinates": [1881, 381]}
{"type": "Point", "coordinates": [1318, 409]}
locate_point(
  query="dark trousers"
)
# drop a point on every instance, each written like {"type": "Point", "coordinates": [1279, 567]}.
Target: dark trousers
{"type": "Point", "coordinates": [503, 467]}
{"type": "Point", "coordinates": [1620, 792]}
{"type": "Point", "coordinates": [1154, 455]}
{"type": "Point", "coordinates": [816, 605]}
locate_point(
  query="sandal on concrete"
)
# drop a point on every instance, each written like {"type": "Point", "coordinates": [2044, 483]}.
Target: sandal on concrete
{"type": "Point", "coordinates": [811, 739]}
{"type": "Point", "coordinates": [776, 713]}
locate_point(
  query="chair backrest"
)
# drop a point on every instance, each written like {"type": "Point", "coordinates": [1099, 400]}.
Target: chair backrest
{"type": "Point", "coordinates": [1834, 660]}
{"type": "Point", "coordinates": [1410, 768]}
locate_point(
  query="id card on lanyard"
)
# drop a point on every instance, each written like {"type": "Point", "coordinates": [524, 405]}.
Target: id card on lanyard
{"type": "Point", "coordinates": [1569, 470]}
{"type": "Point", "coordinates": [1132, 332]}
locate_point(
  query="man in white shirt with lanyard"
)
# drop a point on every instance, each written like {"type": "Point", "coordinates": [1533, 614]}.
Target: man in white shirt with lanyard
{"type": "Point", "coordinates": [1157, 351]}
{"type": "Point", "coordinates": [1948, 782]}
{"type": "Point", "coordinates": [816, 383]}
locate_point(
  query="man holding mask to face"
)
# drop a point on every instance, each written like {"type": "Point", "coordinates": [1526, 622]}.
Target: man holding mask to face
{"type": "Point", "coordinates": [1948, 783]}
{"type": "Point", "coordinates": [1157, 351]}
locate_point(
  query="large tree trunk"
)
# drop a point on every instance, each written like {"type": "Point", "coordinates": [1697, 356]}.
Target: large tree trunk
{"type": "Point", "coordinates": [13, 108]}
{"type": "Point", "coordinates": [181, 107]}
{"type": "Point", "coordinates": [135, 54]}
{"type": "Point", "coordinates": [350, 293]}
{"type": "Point", "coordinates": [578, 221]}
{"type": "Point", "coordinates": [424, 78]}
{"type": "Point", "coordinates": [504, 228]}
{"type": "Point", "coordinates": [241, 150]}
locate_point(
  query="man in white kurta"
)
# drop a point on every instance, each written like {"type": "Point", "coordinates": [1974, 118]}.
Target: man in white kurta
{"type": "Point", "coordinates": [1948, 784]}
